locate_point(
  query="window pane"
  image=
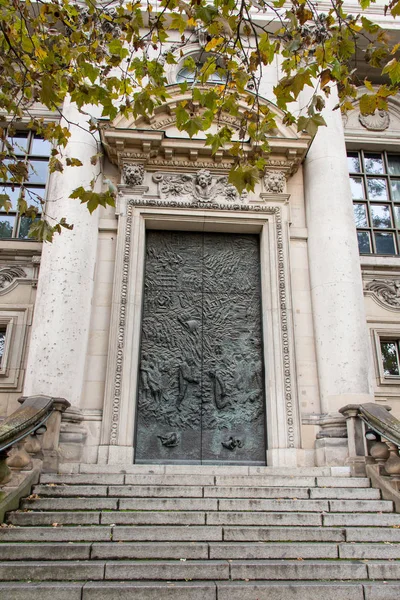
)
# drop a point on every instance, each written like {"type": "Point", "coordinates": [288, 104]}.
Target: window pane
{"type": "Point", "coordinates": [24, 226]}
{"type": "Point", "coordinates": [377, 189]}
{"type": "Point", "coordinates": [13, 195]}
{"type": "Point", "coordinates": [40, 147]}
{"type": "Point", "coordinates": [353, 162]}
{"type": "Point", "coordinates": [390, 358]}
{"type": "Point", "coordinates": [19, 142]}
{"type": "Point", "coordinates": [374, 163]}
{"type": "Point", "coordinates": [395, 186]}
{"type": "Point", "coordinates": [35, 196]}
{"type": "Point", "coordinates": [380, 214]}
{"type": "Point", "coordinates": [394, 164]}
{"type": "Point", "coordinates": [385, 243]}
{"type": "Point", "coordinates": [2, 343]}
{"type": "Point", "coordinates": [364, 242]}
{"type": "Point", "coordinates": [360, 215]}
{"type": "Point", "coordinates": [38, 171]}
{"type": "Point", "coordinates": [6, 226]}
{"type": "Point", "coordinates": [397, 216]}
{"type": "Point", "coordinates": [357, 188]}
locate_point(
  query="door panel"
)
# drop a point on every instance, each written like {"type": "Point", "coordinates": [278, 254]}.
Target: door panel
{"type": "Point", "coordinates": [201, 390]}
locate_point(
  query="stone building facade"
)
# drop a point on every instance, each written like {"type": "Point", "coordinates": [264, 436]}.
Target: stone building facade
{"type": "Point", "coordinates": [76, 315]}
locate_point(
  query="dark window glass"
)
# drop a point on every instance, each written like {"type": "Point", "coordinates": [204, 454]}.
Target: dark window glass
{"type": "Point", "coordinates": [384, 243]}
{"type": "Point", "coordinates": [390, 358]}
{"type": "Point", "coordinates": [364, 242]}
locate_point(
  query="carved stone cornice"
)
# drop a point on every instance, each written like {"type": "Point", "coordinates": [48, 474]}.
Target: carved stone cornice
{"type": "Point", "coordinates": [385, 292]}
{"type": "Point", "coordinates": [157, 139]}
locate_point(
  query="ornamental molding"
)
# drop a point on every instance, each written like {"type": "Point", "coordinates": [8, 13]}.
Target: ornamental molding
{"type": "Point", "coordinates": [276, 213]}
{"type": "Point", "coordinates": [379, 121]}
{"type": "Point", "coordinates": [116, 402]}
{"type": "Point", "coordinates": [10, 276]}
{"type": "Point", "coordinates": [202, 187]}
{"type": "Point", "coordinates": [385, 292]}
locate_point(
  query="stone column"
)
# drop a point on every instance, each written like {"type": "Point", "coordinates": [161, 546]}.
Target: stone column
{"type": "Point", "coordinates": [57, 352]}
{"type": "Point", "coordinates": [335, 274]}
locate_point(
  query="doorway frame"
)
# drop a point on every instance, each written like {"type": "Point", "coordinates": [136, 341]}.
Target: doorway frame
{"type": "Point", "coordinates": [267, 217]}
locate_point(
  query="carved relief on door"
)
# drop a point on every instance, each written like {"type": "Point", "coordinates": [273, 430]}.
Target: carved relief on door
{"type": "Point", "coordinates": [201, 386]}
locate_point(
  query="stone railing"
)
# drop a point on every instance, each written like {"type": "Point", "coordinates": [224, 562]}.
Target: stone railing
{"type": "Point", "coordinates": [373, 446]}
{"type": "Point", "coordinates": [32, 430]}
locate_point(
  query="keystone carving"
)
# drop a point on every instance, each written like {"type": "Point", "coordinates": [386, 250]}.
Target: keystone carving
{"type": "Point", "coordinates": [9, 274]}
{"type": "Point", "coordinates": [201, 187]}
{"type": "Point", "coordinates": [379, 121]}
{"type": "Point", "coordinates": [386, 290]}
{"type": "Point", "coordinates": [133, 174]}
{"type": "Point", "coordinates": [274, 182]}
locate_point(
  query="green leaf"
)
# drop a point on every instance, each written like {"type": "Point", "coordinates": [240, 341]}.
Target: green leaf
{"type": "Point", "coordinates": [243, 178]}
{"type": "Point", "coordinates": [5, 202]}
{"type": "Point", "coordinates": [393, 70]}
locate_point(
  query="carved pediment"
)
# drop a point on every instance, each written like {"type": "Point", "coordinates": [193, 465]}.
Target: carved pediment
{"type": "Point", "coordinates": [155, 139]}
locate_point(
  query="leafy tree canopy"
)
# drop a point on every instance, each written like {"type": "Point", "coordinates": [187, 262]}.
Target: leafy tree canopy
{"type": "Point", "coordinates": [114, 54]}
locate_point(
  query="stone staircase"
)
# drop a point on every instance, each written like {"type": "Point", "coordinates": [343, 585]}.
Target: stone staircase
{"type": "Point", "coordinates": [201, 533]}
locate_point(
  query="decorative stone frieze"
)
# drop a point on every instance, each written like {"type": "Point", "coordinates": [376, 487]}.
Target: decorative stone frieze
{"type": "Point", "coordinates": [200, 187]}
{"type": "Point", "coordinates": [275, 182]}
{"type": "Point", "coordinates": [385, 291]}
{"type": "Point", "coordinates": [379, 121]}
{"type": "Point", "coordinates": [8, 276]}
{"type": "Point", "coordinates": [133, 174]}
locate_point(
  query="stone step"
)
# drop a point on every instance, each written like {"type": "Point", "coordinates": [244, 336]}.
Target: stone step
{"type": "Point", "coordinates": [256, 551]}
{"type": "Point", "coordinates": [207, 470]}
{"type": "Point", "coordinates": [353, 482]}
{"type": "Point", "coordinates": [78, 479]}
{"type": "Point", "coordinates": [41, 591]}
{"type": "Point", "coordinates": [52, 571]}
{"type": "Point", "coordinates": [74, 491]}
{"type": "Point", "coordinates": [167, 570]}
{"type": "Point", "coordinates": [293, 590]}
{"type": "Point", "coordinates": [345, 493]}
{"type": "Point", "coordinates": [160, 533]}
{"type": "Point", "coordinates": [361, 520]}
{"type": "Point", "coordinates": [149, 550]}
{"type": "Point", "coordinates": [241, 504]}
{"type": "Point", "coordinates": [298, 570]}
{"type": "Point", "coordinates": [201, 590]}
{"type": "Point", "coordinates": [198, 569]}
{"type": "Point", "coordinates": [255, 492]}
{"type": "Point", "coordinates": [372, 534]}
{"type": "Point", "coordinates": [48, 518]}
{"type": "Point", "coordinates": [355, 506]}
{"type": "Point", "coordinates": [153, 518]}
{"type": "Point", "coordinates": [369, 551]}
{"type": "Point", "coordinates": [264, 519]}
{"type": "Point", "coordinates": [283, 534]}
{"type": "Point", "coordinates": [44, 551]}
{"type": "Point", "coordinates": [149, 590]}
{"type": "Point", "coordinates": [56, 534]}
{"type": "Point", "coordinates": [184, 504]}
{"type": "Point", "coordinates": [65, 504]}
{"type": "Point", "coordinates": [277, 481]}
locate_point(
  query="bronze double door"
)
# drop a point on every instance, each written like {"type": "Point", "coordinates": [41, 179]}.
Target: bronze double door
{"type": "Point", "coordinates": [201, 377]}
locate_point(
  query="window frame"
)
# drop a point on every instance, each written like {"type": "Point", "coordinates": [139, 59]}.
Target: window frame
{"type": "Point", "coordinates": [369, 203]}
{"type": "Point", "coordinates": [386, 335]}
{"type": "Point", "coordinates": [42, 187]}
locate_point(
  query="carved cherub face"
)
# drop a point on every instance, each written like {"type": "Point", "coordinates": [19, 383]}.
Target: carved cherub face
{"type": "Point", "coordinates": [203, 178]}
